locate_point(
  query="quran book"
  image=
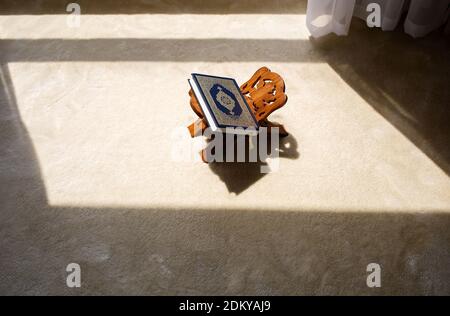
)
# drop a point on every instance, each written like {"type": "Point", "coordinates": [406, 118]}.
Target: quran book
{"type": "Point", "coordinates": [223, 105]}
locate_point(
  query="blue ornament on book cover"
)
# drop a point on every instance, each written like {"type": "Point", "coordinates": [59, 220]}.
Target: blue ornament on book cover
{"type": "Point", "coordinates": [225, 100]}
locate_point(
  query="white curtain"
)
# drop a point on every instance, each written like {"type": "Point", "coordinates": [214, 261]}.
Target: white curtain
{"type": "Point", "coordinates": [423, 16]}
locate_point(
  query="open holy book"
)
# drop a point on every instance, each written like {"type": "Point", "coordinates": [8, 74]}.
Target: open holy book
{"type": "Point", "coordinates": [223, 105]}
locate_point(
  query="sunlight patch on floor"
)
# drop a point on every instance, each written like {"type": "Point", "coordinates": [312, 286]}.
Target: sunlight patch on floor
{"type": "Point", "coordinates": [102, 134]}
{"type": "Point", "coordinates": [162, 26]}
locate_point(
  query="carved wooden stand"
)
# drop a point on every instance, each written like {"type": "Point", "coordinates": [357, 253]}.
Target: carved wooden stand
{"type": "Point", "coordinates": [264, 93]}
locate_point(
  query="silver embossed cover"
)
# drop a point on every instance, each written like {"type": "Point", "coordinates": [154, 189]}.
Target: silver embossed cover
{"type": "Point", "coordinates": [224, 101]}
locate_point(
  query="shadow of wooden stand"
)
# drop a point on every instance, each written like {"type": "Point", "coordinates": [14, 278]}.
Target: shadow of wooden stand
{"type": "Point", "coordinates": [264, 93]}
{"type": "Point", "coordinates": [239, 176]}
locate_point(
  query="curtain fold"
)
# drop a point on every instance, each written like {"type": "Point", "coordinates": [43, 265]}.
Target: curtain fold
{"type": "Point", "coordinates": [334, 16]}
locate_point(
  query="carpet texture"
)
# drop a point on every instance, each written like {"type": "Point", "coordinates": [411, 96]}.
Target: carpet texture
{"type": "Point", "coordinates": [97, 167]}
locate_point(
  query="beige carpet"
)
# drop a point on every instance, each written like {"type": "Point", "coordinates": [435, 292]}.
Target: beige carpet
{"type": "Point", "coordinates": [96, 166]}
